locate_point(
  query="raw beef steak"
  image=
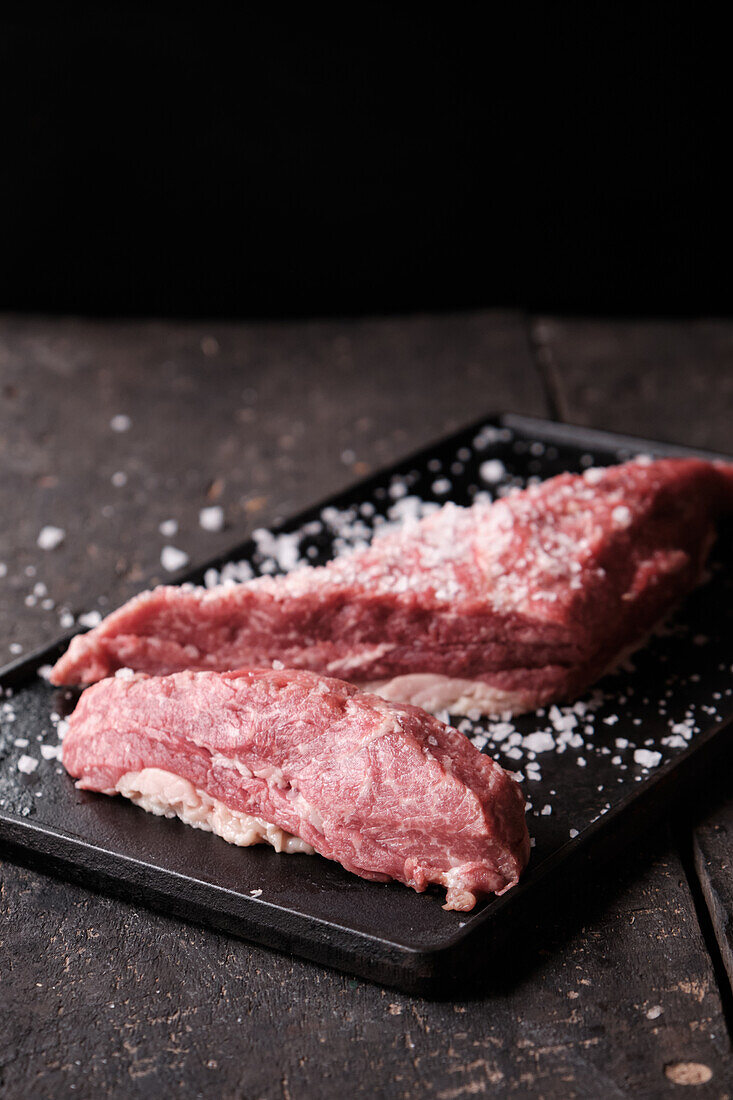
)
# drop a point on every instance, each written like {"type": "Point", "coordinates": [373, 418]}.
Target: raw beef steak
{"type": "Point", "coordinates": [308, 764]}
{"type": "Point", "coordinates": [497, 607]}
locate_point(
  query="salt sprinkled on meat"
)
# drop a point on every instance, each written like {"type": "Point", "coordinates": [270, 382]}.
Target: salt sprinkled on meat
{"type": "Point", "coordinates": [50, 537]}
{"type": "Point", "coordinates": [27, 764]}
{"type": "Point", "coordinates": [621, 516]}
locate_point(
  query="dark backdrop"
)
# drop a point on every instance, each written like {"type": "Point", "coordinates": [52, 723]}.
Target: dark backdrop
{"type": "Point", "coordinates": [300, 159]}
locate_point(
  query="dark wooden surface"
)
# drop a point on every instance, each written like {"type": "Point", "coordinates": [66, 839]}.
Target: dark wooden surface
{"type": "Point", "coordinates": [620, 989]}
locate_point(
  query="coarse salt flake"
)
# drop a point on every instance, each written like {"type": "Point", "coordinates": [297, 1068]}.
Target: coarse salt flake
{"type": "Point", "coordinates": [539, 742]}
{"type": "Point", "coordinates": [27, 764]}
{"type": "Point", "coordinates": [647, 758]}
{"type": "Point", "coordinates": [50, 537]}
{"type": "Point", "coordinates": [172, 559]}
{"type": "Point", "coordinates": [212, 518]}
{"type": "Point", "coordinates": [621, 516]}
{"type": "Point", "coordinates": [90, 619]}
{"type": "Point", "coordinates": [492, 471]}
{"type": "Point", "coordinates": [120, 423]}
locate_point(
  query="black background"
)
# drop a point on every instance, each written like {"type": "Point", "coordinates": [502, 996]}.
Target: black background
{"type": "Point", "coordinates": [297, 159]}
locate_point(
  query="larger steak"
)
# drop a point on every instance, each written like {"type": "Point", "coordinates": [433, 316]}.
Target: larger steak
{"type": "Point", "coordinates": [503, 606]}
{"type": "Point", "coordinates": [307, 763]}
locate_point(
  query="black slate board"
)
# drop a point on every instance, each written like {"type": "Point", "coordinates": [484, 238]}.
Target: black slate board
{"type": "Point", "coordinates": [312, 907]}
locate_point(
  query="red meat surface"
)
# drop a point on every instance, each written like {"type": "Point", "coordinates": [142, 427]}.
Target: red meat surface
{"type": "Point", "coordinates": [503, 606]}
{"type": "Point", "coordinates": [388, 791]}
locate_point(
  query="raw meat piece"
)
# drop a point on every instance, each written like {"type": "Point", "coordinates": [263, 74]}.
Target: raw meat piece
{"type": "Point", "coordinates": [307, 763]}
{"type": "Point", "coordinates": [497, 607]}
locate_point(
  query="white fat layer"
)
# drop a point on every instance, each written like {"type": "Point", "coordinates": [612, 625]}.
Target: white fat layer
{"type": "Point", "coordinates": [342, 665]}
{"type": "Point", "coordinates": [437, 693]}
{"type": "Point", "coordinates": [167, 795]}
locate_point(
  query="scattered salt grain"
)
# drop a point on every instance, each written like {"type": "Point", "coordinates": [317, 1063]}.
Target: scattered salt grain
{"type": "Point", "coordinates": [493, 471]}
{"type": "Point", "coordinates": [546, 811]}
{"type": "Point", "coordinates": [120, 423]}
{"type": "Point", "coordinates": [441, 486]}
{"type": "Point", "coordinates": [646, 758]}
{"type": "Point", "coordinates": [212, 518]}
{"type": "Point", "coordinates": [21, 742]}
{"type": "Point", "coordinates": [168, 528]}
{"type": "Point", "coordinates": [255, 893]}
{"type": "Point", "coordinates": [573, 834]}
{"type": "Point", "coordinates": [124, 674]}
{"type": "Point", "coordinates": [119, 479]}
{"type": "Point", "coordinates": [51, 752]}
{"type": "Point", "coordinates": [3, 569]}
{"type": "Point", "coordinates": [173, 559]}
{"type": "Point", "coordinates": [50, 537]}
{"type": "Point", "coordinates": [27, 764]}
{"type": "Point", "coordinates": [90, 619]}
{"type": "Point", "coordinates": [539, 742]}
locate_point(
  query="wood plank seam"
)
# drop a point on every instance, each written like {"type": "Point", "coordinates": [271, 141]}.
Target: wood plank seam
{"type": "Point", "coordinates": [690, 858]}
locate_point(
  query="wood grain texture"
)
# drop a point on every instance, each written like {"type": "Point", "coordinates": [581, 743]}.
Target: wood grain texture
{"type": "Point", "coordinates": [102, 999]}
{"type": "Point", "coordinates": [713, 849]}
{"type": "Point", "coordinates": [670, 380]}
{"type": "Point", "coordinates": [261, 419]}
{"type": "Point", "coordinates": [603, 997]}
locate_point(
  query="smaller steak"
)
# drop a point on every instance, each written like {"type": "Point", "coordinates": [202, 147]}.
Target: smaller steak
{"type": "Point", "coordinates": [306, 763]}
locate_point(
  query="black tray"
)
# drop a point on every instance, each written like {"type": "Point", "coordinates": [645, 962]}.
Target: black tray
{"type": "Point", "coordinates": [309, 906]}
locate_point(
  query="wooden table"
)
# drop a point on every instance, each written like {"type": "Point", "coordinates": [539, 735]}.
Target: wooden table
{"type": "Point", "coordinates": [621, 989]}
